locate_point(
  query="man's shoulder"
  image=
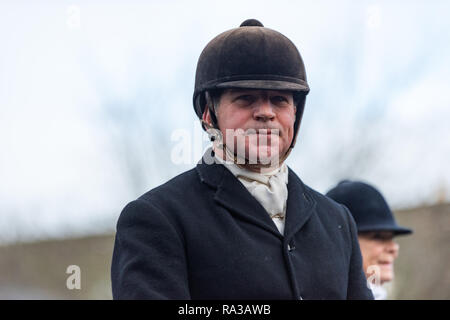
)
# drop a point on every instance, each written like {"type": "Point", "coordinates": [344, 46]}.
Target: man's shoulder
{"type": "Point", "coordinates": [155, 202]}
{"type": "Point", "coordinates": [321, 198]}
{"type": "Point", "coordinates": [330, 213]}
{"type": "Point", "coordinates": [327, 206]}
{"type": "Point", "coordinates": [174, 187]}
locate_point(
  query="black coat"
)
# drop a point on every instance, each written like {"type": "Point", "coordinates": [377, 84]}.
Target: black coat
{"type": "Point", "coordinates": [202, 235]}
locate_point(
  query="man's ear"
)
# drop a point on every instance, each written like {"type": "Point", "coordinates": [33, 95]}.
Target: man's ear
{"type": "Point", "coordinates": [207, 116]}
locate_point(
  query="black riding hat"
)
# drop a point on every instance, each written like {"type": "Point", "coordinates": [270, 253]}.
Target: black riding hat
{"type": "Point", "coordinates": [367, 206]}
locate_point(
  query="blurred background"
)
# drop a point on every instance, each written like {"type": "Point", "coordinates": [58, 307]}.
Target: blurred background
{"type": "Point", "coordinates": [95, 103]}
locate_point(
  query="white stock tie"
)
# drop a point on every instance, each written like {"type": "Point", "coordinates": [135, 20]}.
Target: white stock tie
{"type": "Point", "coordinates": [270, 189]}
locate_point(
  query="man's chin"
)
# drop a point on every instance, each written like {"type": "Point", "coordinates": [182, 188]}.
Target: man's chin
{"type": "Point", "coordinates": [386, 276]}
{"type": "Point", "coordinates": [263, 155]}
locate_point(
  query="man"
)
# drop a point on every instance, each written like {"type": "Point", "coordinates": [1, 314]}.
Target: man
{"type": "Point", "coordinates": [376, 231]}
{"type": "Point", "coordinates": [241, 225]}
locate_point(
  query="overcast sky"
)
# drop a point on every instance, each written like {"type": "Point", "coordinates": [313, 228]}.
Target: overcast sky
{"type": "Point", "coordinates": [90, 95]}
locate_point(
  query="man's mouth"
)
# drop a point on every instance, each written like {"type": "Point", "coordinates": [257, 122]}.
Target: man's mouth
{"type": "Point", "coordinates": [267, 132]}
{"type": "Point", "coordinates": [385, 264]}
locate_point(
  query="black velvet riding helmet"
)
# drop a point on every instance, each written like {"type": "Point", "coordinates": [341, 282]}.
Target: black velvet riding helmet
{"type": "Point", "coordinates": [252, 57]}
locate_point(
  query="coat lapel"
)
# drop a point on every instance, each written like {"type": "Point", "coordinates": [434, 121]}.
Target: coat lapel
{"type": "Point", "coordinates": [299, 206]}
{"type": "Point", "coordinates": [232, 194]}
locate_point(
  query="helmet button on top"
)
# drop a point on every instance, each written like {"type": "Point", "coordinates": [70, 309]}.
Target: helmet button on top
{"type": "Point", "coordinates": [251, 23]}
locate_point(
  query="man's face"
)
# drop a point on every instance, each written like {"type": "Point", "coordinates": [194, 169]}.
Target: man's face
{"type": "Point", "coordinates": [379, 249]}
{"type": "Point", "coordinates": [261, 122]}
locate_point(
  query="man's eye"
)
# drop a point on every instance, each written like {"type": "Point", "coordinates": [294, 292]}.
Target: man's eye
{"type": "Point", "coordinates": [279, 99]}
{"type": "Point", "coordinates": [245, 98]}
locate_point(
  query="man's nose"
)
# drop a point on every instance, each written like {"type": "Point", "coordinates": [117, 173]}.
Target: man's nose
{"type": "Point", "coordinates": [264, 110]}
{"type": "Point", "coordinates": [392, 247]}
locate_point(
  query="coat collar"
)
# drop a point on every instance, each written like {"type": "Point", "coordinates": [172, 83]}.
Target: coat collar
{"type": "Point", "coordinates": [299, 203]}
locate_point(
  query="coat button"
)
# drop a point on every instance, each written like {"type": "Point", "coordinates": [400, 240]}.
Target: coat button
{"type": "Point", "coordinates": [291, 248]}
